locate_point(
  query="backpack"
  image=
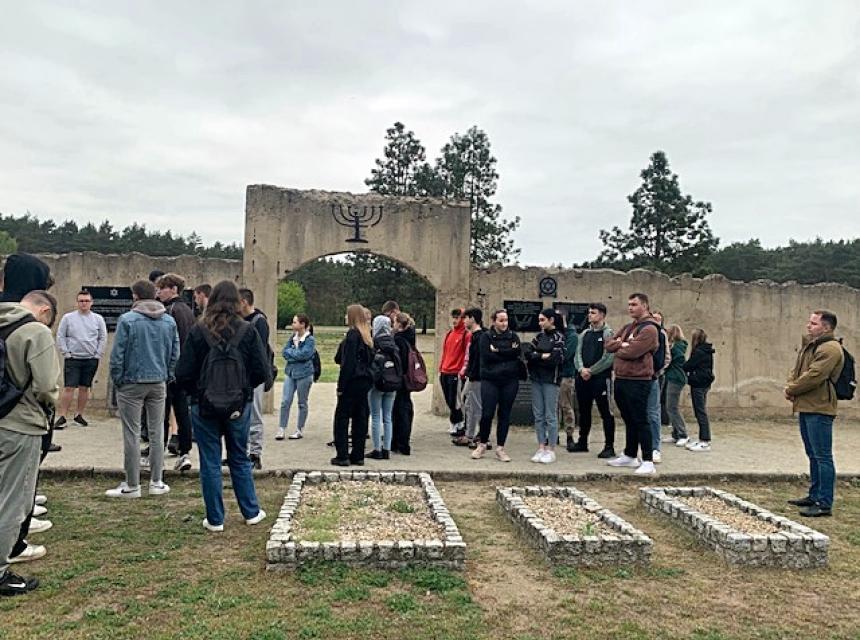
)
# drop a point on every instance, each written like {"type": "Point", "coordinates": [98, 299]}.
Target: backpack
{"type": "Point", "coordinates": [846, 383]}
{"type": "Point", "coordinates": [415, 378]}
{"type": "Point", "coordinates": [10, 394]}
{"type": "Point", "coordinates": [317, 365]}
{"type": "Point", "coordinates": [386, 371]}
{"type": "Point", "coordinates": [659, 355]}
{"type": "Point", "coordinates": [223, 378]}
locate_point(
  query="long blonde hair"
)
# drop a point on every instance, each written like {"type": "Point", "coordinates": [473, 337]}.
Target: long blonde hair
{"type": "Point", "coordinates": [674, 333]}
{"type": "Point", "coordinates": [356, 319]}
{"type": "Point", "coordinates": [699, 336]}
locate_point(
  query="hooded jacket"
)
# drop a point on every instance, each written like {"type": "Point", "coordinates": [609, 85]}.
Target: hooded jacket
{"type": "Point", "coordinates": [146, 345]}
{"type": "Point", "coordinates": [454, 349]}
{"type": "Point", "coordinates": [31, 365]}
{"type": "Point", "coordinates": [700, 366]}
{"type": "Point", "coordinates": [405, 341]}
{"type": "Point", "coordinates": [818, 364]}
{"type": "Point", "coordinates": [675, 370]}
{"type": "Point", "coordinates": [22, 274]}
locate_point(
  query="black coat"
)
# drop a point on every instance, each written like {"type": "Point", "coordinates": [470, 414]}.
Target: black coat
{"type": "Point", "coordinates": [546, 370]}
{"type": "Point", "coordinates": [354, 357]}
{"type": "Point", "coordinates": [504, 363]}
{"type": "Point", "coordinates": [700, 366]}
{"type": "Point", "coordinates": [473, 368]}
{"type": "Point", "coordinates": [405, 341]}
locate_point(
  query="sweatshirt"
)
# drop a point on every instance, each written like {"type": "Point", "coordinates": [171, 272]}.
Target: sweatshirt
{"type": "Point", "coordinates": [82, 336]}
{"type": "Point", "coordinates": [634, 361]}
{"type": "Point", "coordinates": [454, 350]}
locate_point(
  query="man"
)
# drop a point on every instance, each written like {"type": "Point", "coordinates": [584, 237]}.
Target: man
{"type": "Point", "coordinates": [593, 364]}
{"type": "Point", "coordinates": [391, 309]}
{"type": "Point", "coordinates": [471, 373]}
{"type": "Point", "coordinates": [31, 367]}
{"type": "Point", "coordinates": [81, 338]}
{"type": "Point", "coordinates": [812, 396]}
{"type": "Point", "coordinates": [453, 355]}
{"type": "Point", "coordinates": [655, 409]}
{"type": "Point", "coordinates": [201, 298]}
{"type": "Point", "coordinates": [633, 367]}
{"type": "Point", "coordinates": [258, 320]}
{"type": "Point", "coordinates": [169, 288]}
{"type": "Point", "coordinates": [568, 404]}
{"type": "Point", "coordinates": [142, 362]}
{"type": "Point", "coordinates": [153, 277]}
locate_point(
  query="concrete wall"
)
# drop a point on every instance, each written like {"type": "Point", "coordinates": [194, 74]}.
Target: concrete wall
{"type": "Point", "coordinates": [756, 328]}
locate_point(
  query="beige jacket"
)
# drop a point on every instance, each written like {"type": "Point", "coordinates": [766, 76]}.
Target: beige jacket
{"type": "Point", "coordinates": [818, 365]}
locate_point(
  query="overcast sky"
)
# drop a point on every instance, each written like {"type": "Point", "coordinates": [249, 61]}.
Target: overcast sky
{"type": "Point", "coordinates": [162, 112]}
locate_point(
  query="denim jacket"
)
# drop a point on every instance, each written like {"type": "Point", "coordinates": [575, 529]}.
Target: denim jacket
{"type": "Point", "coordinates": [146, 345]}
{"type": "Point", "coordinates": [300, 360]}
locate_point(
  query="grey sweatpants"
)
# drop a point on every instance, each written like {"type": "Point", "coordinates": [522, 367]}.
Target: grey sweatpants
{"type": "Point", "coordinates": [19, 465]}
{"type": "Point", "coordinates": [472, 406]}
{"type": "Point", "coordinates": [255, 434]}
{"type": "Point", "coordinates": [130, 400]}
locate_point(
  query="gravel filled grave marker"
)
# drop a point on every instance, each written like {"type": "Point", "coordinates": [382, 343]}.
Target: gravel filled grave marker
{"type": "Point", "coordinates": [739, 531]}
{"type": "Point", "coordinates": [571, 528]}
{"type": "Point", "coordinates": [386, 520]}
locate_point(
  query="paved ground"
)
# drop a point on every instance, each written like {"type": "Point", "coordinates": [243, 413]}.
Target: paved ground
{"type": "Point", "coordinates": [754, 447]}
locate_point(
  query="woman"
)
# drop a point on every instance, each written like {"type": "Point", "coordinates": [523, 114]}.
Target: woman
{"type": "Point", "coordinates": [222, 328]}
{"type": "Point", "coordinates": [545, 355]}
{"type": "Point", "coordinates": [404, 411]}
{"type": "Point", "coordinates": [700, 377]}
{"type": "Point", "coordinates": [354, 355]}
{"type": "Point", "coordinates": [676, 379]}
{"type": "Point", "coordinates": [382, 394]}
{"type": "Point", "coordinates": [499, 352]}
{"type": "Point", "coordinates": [299, 354]}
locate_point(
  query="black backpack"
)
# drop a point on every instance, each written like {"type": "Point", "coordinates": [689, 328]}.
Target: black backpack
{"type": "Point", "coordinates": [223, 378]}
{"type": "Point", "coordinates": [317, 365]}
{"type": "Point", "coordinates": [270, 354]}
{"type": "Point", "coordinates": [10, 394]}
{"type": "Point", "coordinates": [846, 384]}
{"type": "Point", "coordinates": [386, 371]}
{"type": "Point", "coordinates": [660, 354]}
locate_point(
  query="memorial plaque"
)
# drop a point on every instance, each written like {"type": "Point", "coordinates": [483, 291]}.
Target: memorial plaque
{"type": "Point", "coordinates": [110, 303]}
{"type": "Point", "coordinates": [523, 314]}
{"type": "Point", "coordinates": [575, 313]}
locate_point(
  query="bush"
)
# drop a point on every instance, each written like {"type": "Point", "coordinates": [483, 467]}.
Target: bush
{"type": "Point", "coordinates": [291, 300]}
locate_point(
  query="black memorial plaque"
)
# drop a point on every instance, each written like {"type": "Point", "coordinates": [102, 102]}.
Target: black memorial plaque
{"type": "Point", "coordinates": [110, 303]}
{"type": "Point", "coordinates": [575, 313]}
{"type": "Point", "coordinates": [523, 314]}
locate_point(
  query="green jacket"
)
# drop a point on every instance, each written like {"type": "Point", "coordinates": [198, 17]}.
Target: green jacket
{"type": "Point", "coordinates": [606, 359]}
{"type": "Point", "coordinates": [819, 363]}
{"type": "Point", "coordinates": [570, 342]}
{"type": "Point", "coordinates": [32, 365]}
{"type": "Point", "coordinates": [675, 371]}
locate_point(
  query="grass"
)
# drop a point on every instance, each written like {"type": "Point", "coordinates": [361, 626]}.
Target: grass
{"type": "Point", "coordinates": [146, 568]}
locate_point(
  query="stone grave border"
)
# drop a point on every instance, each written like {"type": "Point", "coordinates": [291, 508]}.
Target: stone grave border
{"type": "Point", "coordinates": [796, 546]}
{"type": "Point", "coordinates": [285, 553]}
{"type": "Point", "coordinates": [628, 546]}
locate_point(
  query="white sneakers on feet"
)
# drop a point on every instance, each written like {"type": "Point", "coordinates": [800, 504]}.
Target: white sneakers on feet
{"type": "Point", "coordinates": [257, 518]}
{"type": "Point", "coordinates": [646, 469]}
{"type": "Point", "coordinates": [479, 451]}
{"type": "Point", "coordinates": [38, 526]}
{"type": "Point", "coordinates": [123, 491]}
{"type": "Point", "coordinates": [31, 552]}
{"type": "Point", "coordinates": [41, 500]}
{"type": "Point", "coordinates": [158, 488]}
{"type": "Point", "coordinates": [281, 434]}
{"type": "Point", "coordinates": [667, 440]}
{"type": "Point", "coordinates": [548, 456]}
{"type": "Point", "coordinates": [657, 456]}
{"type": "Point", "coordinates": [690, 444]}
{"type": "Point", "coordinates": [682, 442]}
{"type": "Point", "coordinates": [538, 456]}
{"type": "Point", "coordinates": [183, 463]}
{"type": "Point", "coordinates": [624, 461]}
{"type": "Point", "coordinates": [39, 510]}
{"type": "Point", "coordinates": [296, 436]}
{"type": "Point", "coordinates": [701, 445]}
{"type": "Point", "coordinates": [215, 528]}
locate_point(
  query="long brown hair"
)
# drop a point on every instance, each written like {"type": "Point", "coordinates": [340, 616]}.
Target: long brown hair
{"type": "Point", "coordinates": [222, 309]}
{"type": "Point", "coordinates": [357, 319]}
{"type": "Point", "coordinates": [674, 333]}
{"type": "Point", "coordinates": [698, 337]}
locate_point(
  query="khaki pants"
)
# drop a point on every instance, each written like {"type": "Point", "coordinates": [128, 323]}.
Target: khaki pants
{"type": "Point", "coordinates": [568, 406]}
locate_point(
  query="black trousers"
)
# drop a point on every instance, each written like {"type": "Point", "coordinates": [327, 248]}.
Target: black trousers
{"type": "Point", "coordinates": [352, 406]}
{"type": "Point", "coordinates": [450, 383]}
{"type": "Point", "coordinates": [178, 401]}
{"type": "Point", "coordinates": [497, 394]}
{"type": "Point", "coordinates": [595, 391]}
{"type": "Point", "coordinates": [664, 413]}
{"type": "Point", "coordinates": [402, 416]}
{"type": "Point", "coordinates": [631, 396]}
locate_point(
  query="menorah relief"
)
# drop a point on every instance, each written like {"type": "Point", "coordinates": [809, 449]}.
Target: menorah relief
{"type": "Point", "coordinates": [357, 217]}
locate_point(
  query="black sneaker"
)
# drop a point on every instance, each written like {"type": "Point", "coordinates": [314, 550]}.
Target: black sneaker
{"type": "Point", "coordinates": [815, 511]}
{"type": "Point", "coordinates": [340, 462]}
{"type": "Point", "coordinates": [12, 584]}
{"type": "Point", "coordinates": [376, 455]}
{"type": "Point", "coordinates": [405, 451]}
{"type": "Point", "coordinates": [173, 445]}
{"type": "Point", "coordinates": [54, 448]}
{"type": "Point", "coordinates": [608, 452]}
{"type": "Point", "coordinates": [802, 502]}
{"type": "Point", "coordinates": [256, 462]}
{"type": "Point", "coordinates": [80, 420]}
{"type": "Point", "coordinates": [579, 447]}
{"type": "Point", "coordinates": [60, 424]}
{"type": "Point", "coordinates": [144, 452]}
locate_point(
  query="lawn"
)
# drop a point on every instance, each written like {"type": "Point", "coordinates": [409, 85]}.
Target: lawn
{"type": "Point", "coordinates": [146, 568]}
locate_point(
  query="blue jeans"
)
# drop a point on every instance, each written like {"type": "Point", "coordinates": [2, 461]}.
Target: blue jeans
{"type": "Point", "coordinates": [816, 430]}
{"type": "Point", "coordinates": [654, 414]}
{"type": "Point", "coordinates": [381, 405]}
{"type": "Point", "coordinates": [545, 409]}
{"type": "Point", "coordinates": [303, 387]}
{"type": "Point", "coordinates": [208, 432]}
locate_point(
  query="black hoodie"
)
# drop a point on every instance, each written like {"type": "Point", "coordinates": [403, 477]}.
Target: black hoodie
{"type": "Point", "coordinates": [22, 274]}
{"type": "Point", "coordinates": [700, 366]}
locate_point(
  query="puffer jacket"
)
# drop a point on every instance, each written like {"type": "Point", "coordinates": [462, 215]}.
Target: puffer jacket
{"type": "Point", "coordinates": [818, 365]}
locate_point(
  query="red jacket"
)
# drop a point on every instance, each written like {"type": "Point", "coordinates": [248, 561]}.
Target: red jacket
{"type": "Point", "coordinates": [454, 349]}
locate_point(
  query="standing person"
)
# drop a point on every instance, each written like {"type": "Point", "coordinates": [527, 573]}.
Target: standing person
{"type": "Point", "coordinates": [676, 380]}
{"type": "Point", "coordinates": [634, 348]}
{"type": "Point", "coordinates": [177, 432]}
{"type": "Point", "coordinates": [299, 375]}
{"type": "Point", "coordinates": [404, 411]}
{"type": "Point", "coordinates": [700, 377]}
{"type": "Point", "coordinates": [593, 364]}
{"type": "Point", "coordinates": [811, 391]}
{"type": "Point", "coordinates": [258, 320]}
{"type": "Point", "coordinates": [32, 369]}
{"type": "Point", "coordinates": [471, 372]}
{"type": "Point", "coordinates": [142, 362]}
{"type": "Point", "coordinates": [81, 338]}
{"type": "Point", "coordinates": [354, 355]}
{"type": "Point", "coordinates": [662, 358]}
{"type": "Point", "coordinates": [153, 277]}
{"type": "Point", "coordinates": [499, 350]}
{"type": "Point", "coordinates": [222, 363]}
{"type": "Point", "coordinates": [391, 310]}
{"type": "Point", "coordinates": [545, 357]}
{"type": "Point", "coordinates": [568, 404]}
{"type": "Point", "coordinates": [385, 388]}
{"type": "Point", "coordinates": [450, 364]}
{"type": "Point", "coordinates": [201, 298]}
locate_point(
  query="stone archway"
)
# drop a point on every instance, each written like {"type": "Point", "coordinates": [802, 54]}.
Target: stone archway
{"type": "Point", "coordinates": [286, 228]}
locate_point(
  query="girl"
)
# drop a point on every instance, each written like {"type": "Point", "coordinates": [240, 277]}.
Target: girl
{"type": "Point", "coordinates": [382, 398]}
{"type": "Point", "coordinates": [676, 379]}
{"type": "Point", "coordinates": [545, 355]}
{"type": "Point", "coordinates": [404, 411]}
{"type": "Point", "coordinates": [299, 354]}
{"type": "Point", "coordinates": [700, 377]}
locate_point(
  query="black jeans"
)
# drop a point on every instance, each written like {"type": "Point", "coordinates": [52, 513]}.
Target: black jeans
{"type": "Point", "coordinates": [178, 400]}
{"type": "Point", "coordinates": [665, 419]}
{"type": "Point", "coordinates": [699, 395]}
{"type": "Point", "coordinates": [352, 405]}
{"type": "Point", "coordinates": [501, 394]}
{"type": "Point", "coordinates": [631, 396]}
{"type": "Point", "coordinates": [598, 391]}
{"type": "Point", "coordinates": [402, 416]}
{"type": "Point", "coordinates": [450, 383]}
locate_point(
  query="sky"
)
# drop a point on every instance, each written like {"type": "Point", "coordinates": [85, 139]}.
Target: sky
{"type": "Point", "coordinates": [162, 112]}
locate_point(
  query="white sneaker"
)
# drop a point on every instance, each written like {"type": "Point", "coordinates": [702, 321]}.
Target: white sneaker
{"type": "Point", "coordinates": [158, 489]}
{"type": "Point", "coordinates": [668, 440]}
{"type": "Point", "coordinates": [452, 429]}
{"type": "Point", "coordinates": [31, 552]}
{"type": "Point", "coordinates": [657, 457]}
{"type": "Point", "coordinates": [38, 526]}
{"type": "Point", "coordinates": [183, 463]}
{"type": "Point", "coordinates": [144, 463]}
{"type": "Point", "coordinates": [623, 461]}
{"type": "Point", "coordinates": [702, 445]}
{"type": "Point", "coordinates": [690, 444]}
{"type": "Point", "coordinates": [280, 434]}
{"type": "Point", "coordinates": [646, 469]}
{"type": "Point", "coordinates": [682, 442]}
{"type": "Point", "coordinates": [41, 500]}
{"type": "Point", "coordinates": [548, 456]}
{"type": "Point", "coordinates": [39, 510]}
{"type": "Point", "coordinates": [257, 518]}
{"type": "Point", "coordinates": [123, 491]}
{"type": "Point", "coordinates": [538, 456]}
{"type": "Point", "coordinates": [479, 451]}
{"type": "Point", "coordinates": [215, 528]}
{"type": "Point", "coordinates": [296, 436]}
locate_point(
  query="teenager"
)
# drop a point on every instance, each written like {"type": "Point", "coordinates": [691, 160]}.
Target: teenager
{"type": "Point", "coordinates": [258, 320]}
{"type": "Point", "coordinates": [676, 380]}
{"type": "Point", "coordinates": [299, 375]}
{"type": "Point", "coordinates": [471, 373]}
{"type": "Point", "coordinates": [453, 355]}
{"type": "Point", "coordinates": [655, 407]}
{"type": "Point", "coordinates": [382, 395]}
{"type": "Point", "coordinates": [404, 411]}
{"type": "Point", "coordinates": [545, 355]}
{"type": "Point", "coordinates": [700, 377]}
{"type": "Point", "coordinates": [568, 403]}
